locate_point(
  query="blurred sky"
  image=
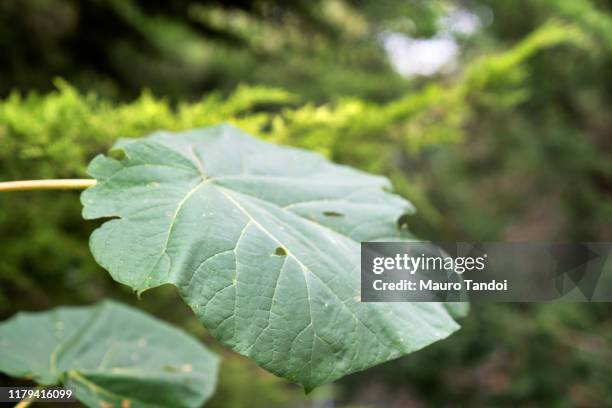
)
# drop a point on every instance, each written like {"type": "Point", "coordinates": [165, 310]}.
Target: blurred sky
{"type": "Point", "coordinates": [415, 56]}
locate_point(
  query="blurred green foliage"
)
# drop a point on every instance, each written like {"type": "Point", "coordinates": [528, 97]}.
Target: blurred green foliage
{"type": "Point", "coordinates": [56, 134]}
{"type": "Point", "coordinates": [514, 144]}
{"type": "Point", "coordinates": [182, 48]}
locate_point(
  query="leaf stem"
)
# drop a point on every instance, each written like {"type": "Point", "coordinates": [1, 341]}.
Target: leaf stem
{"type": "Point", "coordinates": [56, 184]}
{"type": "Point", "coordinates": [26, 402]}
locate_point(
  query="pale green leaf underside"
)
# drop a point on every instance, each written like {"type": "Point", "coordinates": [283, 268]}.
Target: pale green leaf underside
{"type": "Point", "coordinates": [262, 242]}
{"type": "Point", "coordinates": [111, 354]}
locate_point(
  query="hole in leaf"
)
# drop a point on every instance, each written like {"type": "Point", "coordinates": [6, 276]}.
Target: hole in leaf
{"type": "Point", "coordinates": [402, 221]}
{"type": "Point", "coordinates": [332, 214]}
{"type": "Point", "coordinates": [117, 154]}
{"type": "Point", "coordinates": [280, 251]}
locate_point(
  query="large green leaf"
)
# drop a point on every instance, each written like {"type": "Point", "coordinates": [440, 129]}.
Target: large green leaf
{"type": "Point", "coordinates": [111, 354]}
{"type": "Point", "coordinates": [262, 242]}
